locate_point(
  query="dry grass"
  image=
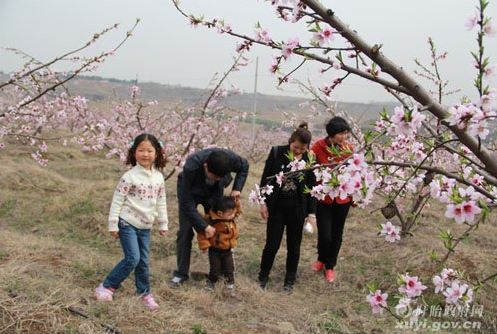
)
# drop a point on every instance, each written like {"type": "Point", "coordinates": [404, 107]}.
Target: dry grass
{"type": "Point", "coordinates": [54, 249]}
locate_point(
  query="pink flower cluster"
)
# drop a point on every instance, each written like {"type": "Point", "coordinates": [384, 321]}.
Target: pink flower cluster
{"type": "Point", "coordinates": [390, 232]}
{"type": "Point", "coordinates": [287, 48]}
{"type": "Point", "coordinates": [405, 122]}
{"type": "Point", "coordinates": [258, 195]}
{"type": "Point", "coordinates": [352, 179]}
{"type": "Point", "coordinates": [457, 293]}
{"type": "Point", "coordinates": [410, 290]}
{"type": "Point", "coordinates": [462, 203]}
{"type": "Point", "coordinates": [472, 117]}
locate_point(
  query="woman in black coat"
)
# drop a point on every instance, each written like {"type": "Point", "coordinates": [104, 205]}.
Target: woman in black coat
{"type": "Point", "coordinates": [288, 206]}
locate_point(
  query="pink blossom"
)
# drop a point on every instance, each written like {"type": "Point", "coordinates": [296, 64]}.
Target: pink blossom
{"type": "Point", "coordinates": [279, 178]}
{"type": "Point", "coordinates": [345, 188]}
{"type": "Point", "coordinates": [242, 46]}
{"type": "Point", "coordinates": [380, 125]}
{"type": "Point", "coordinates": [477, 180]}
{"type": "Point", "coordinates": [470, 192]}
{"type": "Point", "coordinates": [390, 232]}
{"type": "Point", "coordinates": [222, 28]}
{"type": "Point", "coordinates": [296, 165]}
{"type": "Point", "coordinates": [325, 175]}
{"type": "Point", "coordinates": [324, 35]}
{"type": "Point", "coordinates": [375, 72]}
{"type": "Point", "coordinates": [317, 192]}
{"type": "Point", "coordinates": [357, 162]}
{"type": "Point", "coordinates": [378, 301]}
{"type": "Point", "coordinates": [455, 211]}
{"type": "Point", "coordinates": [398, 115]}
{"type": "Point", "coordinates": [267, 189]}
{"type": "Point", "coordinates": [287, 48]}
{"type": "Point", "coordinates": [469, 210]}
{"type": "Point", "coordinates": [489, 29]}
{"type": "Point", "coordinates": [403, 304]}
{"type": "Point", "coordinates": [438, 282]}
{"type": "Point", "coordinates": [212, 103]}
{"type": "Point", "coordinates": [262, 35]}
{"type": "Point", "coordinates": [417, 118]}
{"type": "Point", "coordinates": [488, 99]}
{"type": "Point", "coordinates": [415, 314]}
{"type": "Point", "coordinates": [489, 70]}
{"type": "Point", "coordinates": [274, 66]}
{"type": "Point", "coordinates": [472, 21]}
{"type": "Point", "coordinates": [455, 292]}
{"type": "Point", "coordinates": [43, 147]}
{"type": "Point", "coordinates": [410, 286]}
{"type": "Point", "coordinates": [446, 278]}
{"type": "Point", "coordinates": [479, 129]}
{"type": "Point", "coordinates": [253, 197]}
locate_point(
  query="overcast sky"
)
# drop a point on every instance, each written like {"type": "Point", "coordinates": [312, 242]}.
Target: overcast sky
{"type": "Point", "coordinates": [166, 49]}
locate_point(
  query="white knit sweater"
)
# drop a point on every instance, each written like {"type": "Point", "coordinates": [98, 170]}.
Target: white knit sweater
{"type": "Point", "coordinates": [140, 199]}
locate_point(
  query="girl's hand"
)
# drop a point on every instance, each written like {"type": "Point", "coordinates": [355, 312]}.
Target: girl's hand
{"type": "Point", "coordinates": [163, 233]}
{"type": "Point", "coordinates": [264, 212]}
{"type": "Point", "coordinates": [114, 234]}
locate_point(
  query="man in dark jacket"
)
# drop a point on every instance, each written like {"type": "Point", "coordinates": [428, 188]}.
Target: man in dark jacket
{"type": "Point", "coordinates": [205, 175]}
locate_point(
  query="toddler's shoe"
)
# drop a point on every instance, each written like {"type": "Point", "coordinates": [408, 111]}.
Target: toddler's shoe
{"type": "Point", "coordinates": [209, 286]}
{"type": "Point", "coordinates": [149, 302]}
{"type": "Point", "coordinates": [176, 282]}
{"type": "Point", "coordinates": [104, 294]}
{"type": "Point", "coordinates": [230, 289]}
{"type": "Point", "coordinates": [329, 275]}
{"type": "Point", "coordinates": [317, 266]}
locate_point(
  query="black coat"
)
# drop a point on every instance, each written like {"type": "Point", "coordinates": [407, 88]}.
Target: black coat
{"type": "Point", "coordinates": [192, 189]}
{"type": "Point", "coordinates": [276, 162]}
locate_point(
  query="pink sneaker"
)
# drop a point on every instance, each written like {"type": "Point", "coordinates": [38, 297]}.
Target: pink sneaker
{"type": "Point", "coordinates": [318, 266]}
{"type": "Point", "coordinates": [149, 302]}
{"type": "Point", "coordinates": [103, 294]}
{"type": "Point", "coordinates": [329, 275]}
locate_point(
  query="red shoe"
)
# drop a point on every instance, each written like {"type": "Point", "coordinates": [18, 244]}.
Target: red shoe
{"type": "Point", "coordinates": [329, 275]}
{"type": "Point", "coordinates": [318, 266]}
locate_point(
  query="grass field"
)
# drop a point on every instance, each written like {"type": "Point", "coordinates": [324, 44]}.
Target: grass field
{"type": "Point", "coordinates": [55, 248]}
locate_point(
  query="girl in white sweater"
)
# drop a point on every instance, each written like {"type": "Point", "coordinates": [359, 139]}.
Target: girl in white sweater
{"type": "Point", "coordinates": [139, 201]}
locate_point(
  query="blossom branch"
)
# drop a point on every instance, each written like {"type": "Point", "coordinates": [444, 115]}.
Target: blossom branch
{"type": "Point", "coordinates": [436, 171]}
{"type": "Point", "coordinates": [458, 240]}
{"type": "Point", "coordinates": [488, 158]}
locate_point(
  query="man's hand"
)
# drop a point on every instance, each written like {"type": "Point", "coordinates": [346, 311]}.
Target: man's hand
{"type": "Point", "coordinates": [114, 234]}
{"type": "Point", "coordinates": [209, 232]}
{"type": "Point", "coordinates": [264, 211]}
{"type": "Point", "coordinates": [235, 194]}
{"type": "Point", "coordinates": [163, 233]}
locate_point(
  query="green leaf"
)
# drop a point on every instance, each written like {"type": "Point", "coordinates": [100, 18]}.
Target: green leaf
{"type": "Point", "coordinates": [433, 255]}
{"type": "Point", "coordinates": [290, 156]}
{"type": "Point", "coordinates": [371, 287]}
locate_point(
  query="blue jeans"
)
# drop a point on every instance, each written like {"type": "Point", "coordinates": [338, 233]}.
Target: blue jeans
{"type": "Point", "coordinates": [136, 248]}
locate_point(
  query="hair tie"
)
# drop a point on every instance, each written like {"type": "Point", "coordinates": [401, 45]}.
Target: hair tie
{"type": "Point", "coordinates": [161, 143]}
{"type": "Point", "coordinates": [131, 143]}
